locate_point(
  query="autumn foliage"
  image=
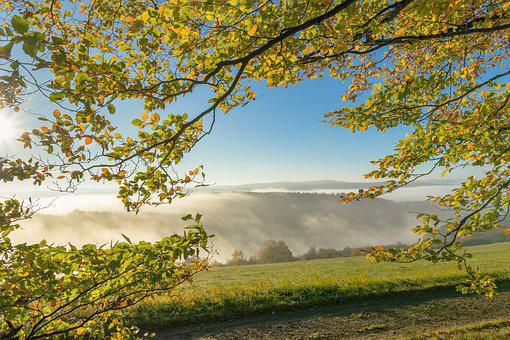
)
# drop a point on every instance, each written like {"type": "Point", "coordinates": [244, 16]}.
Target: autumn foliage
{"type": "Point", "coordinates": [438, 67]}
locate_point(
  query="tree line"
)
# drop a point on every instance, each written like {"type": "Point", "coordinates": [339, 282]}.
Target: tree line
{"type": "Point", "coordinates": [272, 251]}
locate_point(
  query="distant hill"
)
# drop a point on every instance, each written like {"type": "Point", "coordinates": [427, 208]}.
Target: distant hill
{"type": "Point", "coordinates": [316, 185]}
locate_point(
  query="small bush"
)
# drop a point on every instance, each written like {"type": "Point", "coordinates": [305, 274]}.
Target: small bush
{"type": "Point", "coordinates": [273, 251]}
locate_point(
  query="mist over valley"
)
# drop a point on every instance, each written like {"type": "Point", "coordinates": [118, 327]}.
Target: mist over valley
{"type": "Point", "coordinates": [240, 220]}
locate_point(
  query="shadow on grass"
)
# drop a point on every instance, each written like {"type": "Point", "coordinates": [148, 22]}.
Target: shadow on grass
{"type": "Point", "coordinates": [206, 314]}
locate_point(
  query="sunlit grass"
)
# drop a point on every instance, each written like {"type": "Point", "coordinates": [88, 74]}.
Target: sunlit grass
{"type": "Point", "coordinates": [227, 292]}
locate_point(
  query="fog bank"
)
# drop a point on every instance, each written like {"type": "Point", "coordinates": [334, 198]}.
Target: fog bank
{"type": "Point", "coordinates": [240, 220]}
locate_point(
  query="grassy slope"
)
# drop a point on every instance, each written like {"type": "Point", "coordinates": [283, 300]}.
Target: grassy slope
{"type": "Point", "coordinates": [228, 292]}
{"type": "Point", "coordinates": [438, 313]}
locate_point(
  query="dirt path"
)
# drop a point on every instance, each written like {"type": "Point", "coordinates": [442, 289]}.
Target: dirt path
{"type": "Point", "coordinates": [394, 316]}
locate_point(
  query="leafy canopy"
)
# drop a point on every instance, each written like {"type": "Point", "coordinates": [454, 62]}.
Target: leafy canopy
{"type": "Point", "coordinates": [439, 67]}
{"type": "Point", "coordinates": [49, 291]}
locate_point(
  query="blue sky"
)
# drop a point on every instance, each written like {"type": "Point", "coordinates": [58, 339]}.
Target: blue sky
{"type": "Point", "coordinates": [278, 137]}
{"type": "Point", "coordinates": [281, 136]}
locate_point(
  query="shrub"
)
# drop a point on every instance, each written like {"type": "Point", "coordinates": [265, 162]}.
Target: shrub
{"type": "Point", "coordinates": [274, 251]}
{"type": "Point", "coordinates": [237, 258]}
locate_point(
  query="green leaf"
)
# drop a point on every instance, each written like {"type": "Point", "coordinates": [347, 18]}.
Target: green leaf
{"type": "Point", "coordinates": [30, 49]}
{"type": "Point", "coordinates": [57, 40]}
{"type": "Point", "coordinates": [127, 239]}
{"type": "Point", "coordinates": [19, 24]}
{"type": "Point", "coordinates": [187, 217]}
{"type": "Point", "coordinates": [5, 51]}
{"type": "Point", "coordinates": [56, 96]}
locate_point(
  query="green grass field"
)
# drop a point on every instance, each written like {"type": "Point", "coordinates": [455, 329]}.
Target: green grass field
{"type": "Point", "coordinates": [232, 292]}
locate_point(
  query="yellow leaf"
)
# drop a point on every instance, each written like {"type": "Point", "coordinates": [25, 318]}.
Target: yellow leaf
{"type": "Point", "coordinates": [253, 30]}
{"type": "Point", "coordinates": [56, 113]}
{"type": "Point", "coordinates": [88, 140]}
{"type": "Point", "coordinates": [145, 16]}
{"type": "Point", "coordinates": [145, 116]}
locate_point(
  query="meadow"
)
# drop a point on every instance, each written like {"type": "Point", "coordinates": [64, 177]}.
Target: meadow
{"type": "Point", "coordinates": [226, 293]}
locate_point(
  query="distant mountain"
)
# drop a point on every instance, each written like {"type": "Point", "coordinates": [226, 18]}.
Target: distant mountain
{"type": "Point", "coordinates": [317, 185]}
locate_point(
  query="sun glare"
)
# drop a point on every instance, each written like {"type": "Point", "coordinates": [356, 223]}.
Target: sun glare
{"type": "Point", "coordinates": [8, 128]}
